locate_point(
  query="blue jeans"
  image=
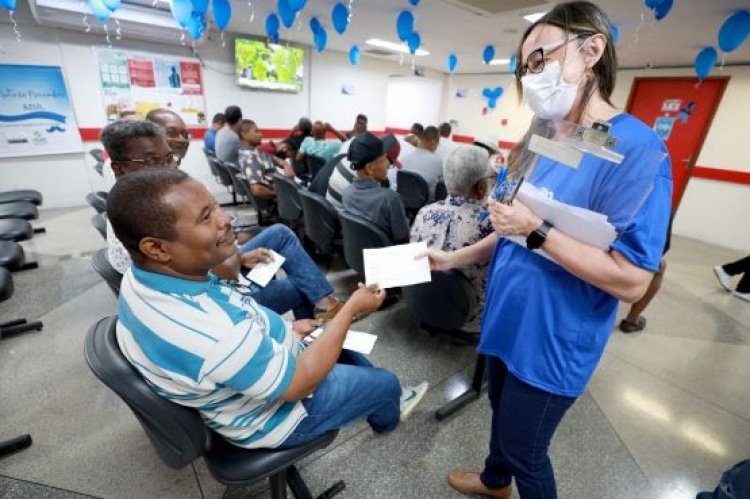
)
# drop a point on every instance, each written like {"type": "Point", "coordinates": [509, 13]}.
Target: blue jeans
{"type": "Point", "coordinates": [305, 283]}
{"type": "Point", "coordinates": [353, 389]}
{"type": "Point", "coordinates": [524, 419]}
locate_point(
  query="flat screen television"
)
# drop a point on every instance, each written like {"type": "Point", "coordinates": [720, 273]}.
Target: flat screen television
{"type": "Point", "coordinates": [268, 66]}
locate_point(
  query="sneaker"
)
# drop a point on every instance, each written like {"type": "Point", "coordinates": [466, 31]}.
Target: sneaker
{"type": "Point", "coordinates": [724, 279]}
{"type": "Point", "coordinates": [742, 296]}
{"type": "Point", "coordinates": [411, 397]}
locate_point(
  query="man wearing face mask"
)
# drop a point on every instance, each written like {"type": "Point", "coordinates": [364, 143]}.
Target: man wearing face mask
{"type": "Point", "coordinates": [546, 323]}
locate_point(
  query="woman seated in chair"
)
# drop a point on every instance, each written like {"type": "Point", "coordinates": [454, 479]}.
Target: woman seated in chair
{"type": "Point", "coordinates": [457, 220]}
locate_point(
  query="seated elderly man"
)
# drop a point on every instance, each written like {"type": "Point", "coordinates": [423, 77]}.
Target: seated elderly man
{"type": "Point", "coordinates": [366, 197]}
{"type": "Point", "coordinates": [138, 145]}
{"type": "Point", "coordinates": [202, 343]}
{"type": "Point", "coordinates": [457, 221]}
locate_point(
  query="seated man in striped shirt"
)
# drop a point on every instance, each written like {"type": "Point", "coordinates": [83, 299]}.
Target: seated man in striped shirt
{"type": "Point", "coordinates": [202, 343]}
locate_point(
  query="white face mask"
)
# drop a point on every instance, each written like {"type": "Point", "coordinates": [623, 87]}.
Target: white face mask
{"type": "Point", "coordinates": [549, 96]}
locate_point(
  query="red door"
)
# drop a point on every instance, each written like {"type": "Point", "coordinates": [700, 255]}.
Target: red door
{"type": "Point", "coordinates": [680, 111]}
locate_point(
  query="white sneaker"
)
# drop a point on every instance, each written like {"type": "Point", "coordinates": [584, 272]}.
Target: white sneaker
{"type": "Point", "coordinates": [724, 279]}
{"type": "Point", "coordinates": [742, 296]}
{"type": "Point", "coordinates": [411, 396]}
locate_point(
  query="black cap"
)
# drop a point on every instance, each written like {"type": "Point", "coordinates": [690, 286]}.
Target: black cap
{"type": "Point", "coordinates": [364, 149]}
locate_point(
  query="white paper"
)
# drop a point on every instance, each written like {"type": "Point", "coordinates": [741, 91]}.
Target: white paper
{"type": "Point", "coordinates": [262, 273]}
{"type": "Point", "coordinates": [396, 266]}
{"type": "Point", "coordinates": [356, 341]}
{"type": "Point", "coordinates": [584, 225]}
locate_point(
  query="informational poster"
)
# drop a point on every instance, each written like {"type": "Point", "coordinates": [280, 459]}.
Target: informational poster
{"type": "Point", "coordinates": [663, 127]}
{"type": "Point", "coordinates": [36, 117]}
{"type": "Point", "coordinates": [140, 82]}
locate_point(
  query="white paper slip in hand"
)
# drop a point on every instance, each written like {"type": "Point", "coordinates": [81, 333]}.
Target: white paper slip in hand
{"type": "Point", "coordinates": [262, 273]}
{"type": "Point", "coordinates": [355, 341]}
{"type": "Point", "coordinates": [396, 266]}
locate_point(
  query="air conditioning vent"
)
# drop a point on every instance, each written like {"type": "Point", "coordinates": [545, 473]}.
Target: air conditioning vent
{"type": "Point", "coordinates": [491, 8]}
{"type": "Point", "coordinates": [379, 52]}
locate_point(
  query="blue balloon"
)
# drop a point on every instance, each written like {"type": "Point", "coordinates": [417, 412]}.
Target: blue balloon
{"type": "Point", "coordinates": [512, 63]}
{"type": "Point", "coordinates": [286, 13]}
{"type": "Point", "coordinates": [705, 61]}
{"type": "Point", "coordinates": [734, 31]}
{"type": "Point", "coordinates": [661, 10]}
{"type": "Point", "coordinates": [272, 27]}
{"type": "Point", "coordinates": [414, 2]}
{"type": "Point", "coordinates": [404, 25]}
{"type": "Point", "coordinates": [414, 41]}
{"type": "Point", "coordinates": [196, 26]}
{"type": "Point", "coordinates": [492, 95]}
{"type": "Point", "coordinates": [222, 13]}
{"type": "Point", "coordinates": [320, 38]}
{"type": "Point", "coordinates": [488, 54]}
{"type": "Point", "coordinates": [315, 25]}
{"type": "Point", "coordinates": [200, 6]}
{"type": "Point", "coordinates": [8, 4]}
{"type": "Point", "coordinates": [451, 62]}
{"type": "Point", "coordinates": [297, 5]}
{"type": "Point", "coordinates": [652, 4]}
{"type": "Point", "coordinates": [112, 5]}
{"type": "Point", "coordinates": [101, 12]}
{"type": "Point", "coordinates": [340, 18]}
{"type": "Point", "coordinates": [615, 33]}
{"type": "Point", "coordinates": [181, 10]}
{"type": "Point", "coordinates": [354, 55]}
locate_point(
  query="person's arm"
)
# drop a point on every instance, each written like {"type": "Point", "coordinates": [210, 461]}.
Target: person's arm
{"type": "Point", "coordinates": [317, 360]}
{"type": "Point", "coordinates": [261, 191]}
{"type": "Point", "coordinates": [479, 252]}
{"type": "Point", "coordinates": [338, 134]}
{"type": "Point", "coordinates": [609, 271]}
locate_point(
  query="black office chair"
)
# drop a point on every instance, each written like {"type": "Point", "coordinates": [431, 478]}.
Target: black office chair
{"type": "Point", "coordinates": [101, 264]}
{"type": "Point", "coordinates": [441, 191]}
{"type": "Point", "coordinates": [414, 192]}
{"type": "Point", "coordinates": [266, 209]}
{"type": "Point", "coordinates": [224, 176]}
{"type": "Point", "coordinates": [288, 201]}
{"type": "Point", "coordinates": [98, 155]}
{"type": "Point", "coordinates": [99, 221]}
{"type": "Point", "coordinates": [15, 229]}
{"type": "Point", "coordinates": [179, 435]}
{"type": "Point", "coordinates": [16, 326]}
{"type": "Point", "coordinates": [13, 258]}
{"type": "Point", "coordinates": [313, 165]}
{"type": "Point", "coordinates": [360, 234]}
{"type": "Point", "coordinates": [97, 200]}
{"type": "Point", "coordinates": [321, 221]}
{"type": "Point", "coordinates": [210, 159]}
{"type": "Point", "coordinates": [19, 209]}
{"type": "Point", "coordinates": [26, 195]}
{"type": "Point", "coordinates": [319, 183]}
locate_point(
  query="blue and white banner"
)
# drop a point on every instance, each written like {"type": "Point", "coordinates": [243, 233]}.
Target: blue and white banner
{"type": "Point", "coordinates": [36, 117]}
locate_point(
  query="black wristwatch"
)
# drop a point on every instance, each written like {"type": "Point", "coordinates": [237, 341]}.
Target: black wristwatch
{"type": "Point", "coordinates": [538, 236]}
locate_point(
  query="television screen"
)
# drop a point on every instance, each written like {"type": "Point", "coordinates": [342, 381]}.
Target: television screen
{"type": "Point", "coordinates": [268, 66]}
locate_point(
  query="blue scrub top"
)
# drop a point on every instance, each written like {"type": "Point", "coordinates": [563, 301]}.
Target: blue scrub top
{"type": "Point", "coordinates": [548, 326]}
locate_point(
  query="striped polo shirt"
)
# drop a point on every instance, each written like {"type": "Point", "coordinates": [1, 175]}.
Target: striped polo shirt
{"type": "Point", "coordinates": [205, 345]}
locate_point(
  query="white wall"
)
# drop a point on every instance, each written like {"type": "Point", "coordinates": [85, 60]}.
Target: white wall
{"type": "Point", "coordinates": [711, 211]}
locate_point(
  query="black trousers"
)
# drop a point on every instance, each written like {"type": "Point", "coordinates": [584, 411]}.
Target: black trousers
{"type": "Point", "coordinates": [740, 267]}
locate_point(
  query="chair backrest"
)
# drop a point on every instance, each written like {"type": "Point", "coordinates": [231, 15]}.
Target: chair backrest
{"type": "Point", "coordinates": [101, 264]}
{"type": "Point", "coordinates": [413, 189]}
{"type": "Point", "coordinates": [177, 432]}
{"type": "Point", "coordinates": [99, 221]}
{"type": "Point", "coordinates": [320, 220]}
{"type": "Point", "coordinates": [360, 234]}
{"type": "Point", "coordinates": [6, 284]}
{"type": "Point", "coordinates": [287, 198]}
{"type": "Point", "coordinates": [242, 186]}
{"type": "Point", "coordinates": [444, 303]}
{"type": "Point", "coordinates": [314, 164]}
{"type": "Point", "coordinates": [441, 191]}
{"type": "Point", "coordinates": [97, 154]}
{"type": "Point", "coordinates": [223, 174]}
{"type": "Point", "coordinates": [99, 168]}
{"type": "Point", "coordinates": [211, 160]}
{"type": "Point", "coordinates": [97, 200]}
{"type": "Point", "coordinates": [19, 209]}
{"type": "Point", "coordinates": [319, 183]}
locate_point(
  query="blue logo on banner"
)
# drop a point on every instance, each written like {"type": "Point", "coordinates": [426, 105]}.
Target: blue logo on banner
{"type": "Point", "coordinates": [663, 127]}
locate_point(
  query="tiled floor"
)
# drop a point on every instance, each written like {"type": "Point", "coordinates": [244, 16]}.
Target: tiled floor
{"type": "Point", "coordinates": [667, 411]}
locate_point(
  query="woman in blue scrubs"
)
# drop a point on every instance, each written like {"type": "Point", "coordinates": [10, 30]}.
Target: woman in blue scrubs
{"type": "Point", "coordinates": [546, 323]}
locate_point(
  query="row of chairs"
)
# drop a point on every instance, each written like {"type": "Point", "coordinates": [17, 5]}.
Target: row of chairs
{"type": "Point", "coordinates": [16, 209]}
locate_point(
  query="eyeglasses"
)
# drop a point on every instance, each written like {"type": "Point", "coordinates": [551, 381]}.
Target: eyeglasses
{"type": "Point", "coordinates": [169, 161]}
{"type": "Point", "coordinates": [535, 60]}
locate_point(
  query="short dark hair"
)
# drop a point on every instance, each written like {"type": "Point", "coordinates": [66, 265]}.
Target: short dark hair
{"type": "Point", "coordinates": [219, 118]}
{"type": "Point", "coordinates": [233, 115]}
{"type": "Point", "coordinates": [245, 124]}
{"type": "Point", "coordinates": [430, 133]}
{"type": "Point", "coordinates": [115, 136]}
{"type": "Point", "coordinates": [136, 209]}
{"type": "Point", "coordinates": [417, 129]}
{"type": "Point", "coordinates": [361, 117]}
{"type": "Point", "coordinates": [305, 126]}
{"type": "Point", "coordinates": [154, 114]}
{"type": "Point", "coordinates": [445, 129]}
